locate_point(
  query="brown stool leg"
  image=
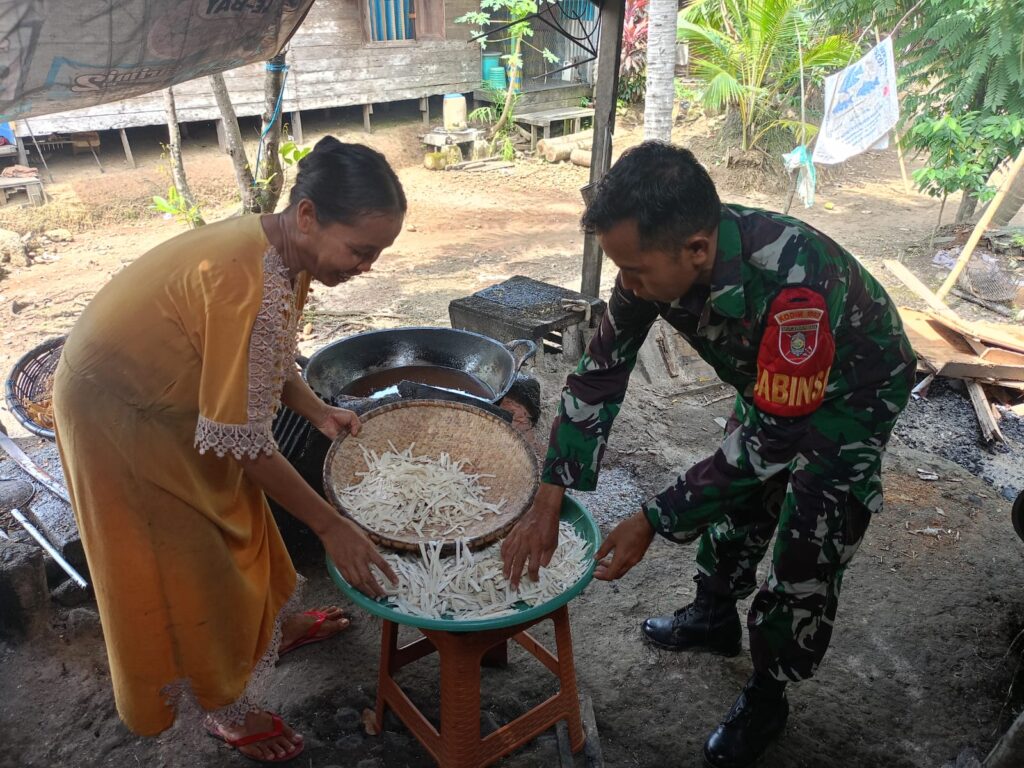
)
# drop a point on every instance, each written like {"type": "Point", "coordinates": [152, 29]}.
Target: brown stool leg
{"type": "Point", "coordinates": [567, 677]}
{"type": "Point", "coordinates": [496, 657]}
{"type": "Point", "coordinates": [460, 698]}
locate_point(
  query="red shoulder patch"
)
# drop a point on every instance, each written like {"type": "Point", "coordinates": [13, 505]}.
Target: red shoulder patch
{"type": "Point", "coordinates": [797, 350]}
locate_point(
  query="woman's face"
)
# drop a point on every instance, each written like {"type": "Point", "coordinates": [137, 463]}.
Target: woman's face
{"type": "Point", "coordinates": [334, 253]}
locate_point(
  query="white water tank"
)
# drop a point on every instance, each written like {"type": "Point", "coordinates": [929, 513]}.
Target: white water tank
{"type": "Point", "coordinates": [454, 110]}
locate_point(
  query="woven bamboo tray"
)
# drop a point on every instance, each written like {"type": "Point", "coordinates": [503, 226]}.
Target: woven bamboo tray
{"type": "Point", "coordinates": [488, 444]}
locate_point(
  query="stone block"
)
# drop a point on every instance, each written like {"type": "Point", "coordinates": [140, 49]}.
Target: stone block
{"type": "Point", "coordinates": [24, 597]}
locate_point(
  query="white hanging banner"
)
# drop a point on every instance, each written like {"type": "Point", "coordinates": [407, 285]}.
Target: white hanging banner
{"type": "Point", "coordinates": [861, 107]}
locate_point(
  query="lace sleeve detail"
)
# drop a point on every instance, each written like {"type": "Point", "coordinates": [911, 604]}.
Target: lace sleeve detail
{"type": "Point", "coordinates": [271, 361]}
{"type": "Point", "coordinates": [239, 440]}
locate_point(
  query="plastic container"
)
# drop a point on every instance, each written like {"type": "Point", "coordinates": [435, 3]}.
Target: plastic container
{"type": "Point", "coordinates": [454, 111]}
{"type": "Point", "coordinates": [572, 512]}
{"type": "Point", "coordinates": [488, 63]}
{"type": "Point", "coordinates": [496, 78]}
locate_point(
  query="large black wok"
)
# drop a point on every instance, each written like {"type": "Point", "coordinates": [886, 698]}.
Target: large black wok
{"type": "Point", "coordinates": [340, 364]}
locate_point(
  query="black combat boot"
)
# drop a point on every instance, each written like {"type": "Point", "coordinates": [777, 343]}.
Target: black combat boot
{"type": "Point", "coordinates": [710, 623]}
{"type": "Point", "coordinates": [755, 720]}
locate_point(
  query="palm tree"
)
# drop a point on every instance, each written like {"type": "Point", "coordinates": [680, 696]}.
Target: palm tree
{"type": "Point", "coordinates": [749, 53]}
{"type": "Point", "coordinates": [661, 67]}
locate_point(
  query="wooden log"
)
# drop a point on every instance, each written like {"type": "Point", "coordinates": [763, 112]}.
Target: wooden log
{"type": "Point", "coordinates": [571, 140]}
{"type": "Point", "coordinates": [989, 426]}
{"type": "Point", "coordinates": [581, 157]}
{"type": "Point", "coordinates": [592, 755]}
{"type": "Point", "coordinates": [555, 153]}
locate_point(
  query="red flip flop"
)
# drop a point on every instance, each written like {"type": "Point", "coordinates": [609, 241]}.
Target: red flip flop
{"type": "Point", "coordinates": [309, 636]}
{"type": "Point", "coordinates": [274, 732]}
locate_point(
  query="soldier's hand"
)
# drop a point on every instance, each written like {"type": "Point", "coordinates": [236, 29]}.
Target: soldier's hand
{"type": "Point", "coordinates": [628, 544]}
{"type": "Point", "coordinates": [535, 537]}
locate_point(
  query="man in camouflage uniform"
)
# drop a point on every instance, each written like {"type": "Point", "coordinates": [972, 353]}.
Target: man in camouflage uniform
{"type": "Point", "coordinates": [822, 368]}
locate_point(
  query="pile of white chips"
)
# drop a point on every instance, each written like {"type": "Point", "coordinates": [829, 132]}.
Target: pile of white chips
{"type": "Point", "coordinates": [433, 498]}
{"type": "Point", "coordinates": [470, 585]}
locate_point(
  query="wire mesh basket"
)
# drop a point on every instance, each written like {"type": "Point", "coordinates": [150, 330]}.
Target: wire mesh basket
{"type": "Point", "coordinates": [29, 389]}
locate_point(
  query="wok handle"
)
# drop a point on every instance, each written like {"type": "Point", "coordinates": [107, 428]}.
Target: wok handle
{"type": "Point", "coordinates": [519, 356]}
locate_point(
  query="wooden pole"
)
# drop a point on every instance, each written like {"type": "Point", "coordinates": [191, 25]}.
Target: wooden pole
{"type": "Point", "coordinates": [980, 227]}
{"type": "Point", "coordinates": [38, 150]}
{"type": "Point", "coordinates": [613, 15]}
{"type": "Point", "coordinates": [903, 163]}
{"type": "Point", "coordinates": [127, 149]}
{"type": "Point", "coordinates": [895, 138]}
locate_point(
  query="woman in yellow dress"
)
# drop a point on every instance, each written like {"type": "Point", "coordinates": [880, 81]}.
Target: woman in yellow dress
{"type": "Point", "coordinates": [164, 400]}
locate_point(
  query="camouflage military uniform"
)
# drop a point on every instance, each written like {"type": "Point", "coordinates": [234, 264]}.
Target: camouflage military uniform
{"type": "Point", "coordinates": [812, 436]}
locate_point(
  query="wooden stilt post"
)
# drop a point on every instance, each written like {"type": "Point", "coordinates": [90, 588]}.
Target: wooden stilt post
{"type": "Point", "coordinates": [39, 151]}
{"type": "Point", "coordinates": [425, 109]}
{"type": "Point", "coordinates": [222, 138]}
{"type": "Point", "coordinates": [127, 148]}
{"type": "Point", "coordinates": [613, 15]}
{"type": "Point", "coordinates": [367, 111]}
{"type": "Point", "coordinates": [297, 126]}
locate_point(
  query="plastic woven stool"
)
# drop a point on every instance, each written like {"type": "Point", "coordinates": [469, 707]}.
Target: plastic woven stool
{"type": "Point", "coordinates": [458, 744]}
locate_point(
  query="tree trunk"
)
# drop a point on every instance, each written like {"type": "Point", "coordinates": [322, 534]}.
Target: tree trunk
{"type": "Point", "coordinates": [236, 149]}
{"type": "Point", "coordinates": [968, 205]}
{"type": "Point", "coordinates": [506, 112]}
{"type": "Point", "coordinates": [1011, 204]}
{"type": "Point", "coordinates": [661, 67]}
{"type": "Point", "coordinates": [177, 165]}
{"type": "Point", "coordinates": [270, 165]}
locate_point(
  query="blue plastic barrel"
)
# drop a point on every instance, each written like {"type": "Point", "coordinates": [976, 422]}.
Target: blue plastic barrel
{"type": "Point", "coordinates": [488, 63]}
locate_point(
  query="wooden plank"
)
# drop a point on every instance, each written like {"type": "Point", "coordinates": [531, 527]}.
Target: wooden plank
{"type": "Point", "coordinates": [548, 116]}
{"type": "Point", "coordinates": [948, 354]}
{"type": "Point", "coordinates": [983, 410]}
{"type": "Point", "coordinates": [666, 352]}
{"type": "Point", "coordinates": [592, 753]}
{"type": "Point", "coordinates": [1002, 356]}
{"type": "Point", "coordinates": [921, 290]}
{"type": "Point", "coordinates": [990, 334]}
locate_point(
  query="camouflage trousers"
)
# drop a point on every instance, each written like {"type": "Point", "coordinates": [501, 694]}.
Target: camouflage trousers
{"type": "Point", "coordinates": [790, 619]}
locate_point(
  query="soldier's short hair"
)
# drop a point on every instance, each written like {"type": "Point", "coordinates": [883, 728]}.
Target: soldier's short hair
{"type": "Point", "coordinates": [664, 188]}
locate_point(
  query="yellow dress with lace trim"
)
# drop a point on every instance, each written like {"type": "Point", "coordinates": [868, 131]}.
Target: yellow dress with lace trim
{"type": "Point", "coordinates": [174, 371]}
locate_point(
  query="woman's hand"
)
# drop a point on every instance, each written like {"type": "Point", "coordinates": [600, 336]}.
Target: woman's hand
{"type": "Point", "coordinates": [335, 422]}
{"type": "Point", "coordinates": [353, 552]}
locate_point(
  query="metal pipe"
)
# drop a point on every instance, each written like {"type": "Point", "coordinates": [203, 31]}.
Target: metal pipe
{"type": "Point", "coordinates": [64, 564]}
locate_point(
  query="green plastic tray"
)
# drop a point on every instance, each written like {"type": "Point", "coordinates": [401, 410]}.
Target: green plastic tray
{"type": "Point", "coordinates": [572, 512]}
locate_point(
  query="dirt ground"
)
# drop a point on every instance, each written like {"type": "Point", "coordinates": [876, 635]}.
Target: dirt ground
{"type": "Point", "coordinates": [922, 662]}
